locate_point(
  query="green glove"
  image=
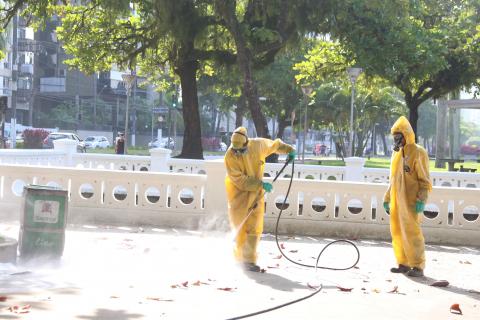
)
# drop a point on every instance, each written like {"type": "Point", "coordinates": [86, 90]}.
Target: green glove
{"type": "Point", "coordinates": [386, 206]}
{"type": "Point", "coordinates": [291, 155]}
{"type": "Point", "coordinates": [267, 186]}
{"type": "Point", "coordinates": [419, 206]}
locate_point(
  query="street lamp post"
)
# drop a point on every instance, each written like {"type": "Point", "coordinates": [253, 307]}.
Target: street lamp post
{"type": "Point", "coordinates": [128, 79]}
{"type": "Point", "coordinates": [353, 73]}
{"type": "Point", "coordinates": [307, 91]}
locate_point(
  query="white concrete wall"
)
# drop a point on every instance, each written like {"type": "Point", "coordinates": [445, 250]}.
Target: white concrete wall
{"type": "Point", "coordinates": [316, 207]}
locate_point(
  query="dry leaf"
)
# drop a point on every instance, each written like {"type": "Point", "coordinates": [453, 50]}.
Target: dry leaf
{"type": "Point", "coordinates": [455, 308]}
{"type": "Point", "coordinates": [19, 310]}
{"type": "Point", "coordinates": [278, 257]}
{"type": "Point", "coordinates": [376, 290]}
{"type": "Point", "coordinates": [263, 270]}
{"type": "Point", "coordinates": [394, 290]}
{"type": "Point", "coordinates": [226, 289]}
{"type": "Point", "coordinates": [282, 246]}
{"type": "Point", "coordinates": [293, 251]}
{"type": "Point", "coordinates": [3, 298]}
{"type": "Point", "coordinates": [440, 283]}
{"type": "Point", "coordinates": [311, 286]}
{"type": "Point", "coordinates": [274, 267]}
{"type": "Point", "coordinates": [185, 284]}
{"type": "Point", "coordinates": [198, 283]}
{"type": "Point", "coordinates": [159, 299]}
{"type": "Point", "coordinates": [114, 297]}
{"type": "Point", "coordinates": [344, 289]}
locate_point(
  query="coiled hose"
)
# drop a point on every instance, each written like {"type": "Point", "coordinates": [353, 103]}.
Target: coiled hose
{"type": "Point", "coordinates": [315, 266]}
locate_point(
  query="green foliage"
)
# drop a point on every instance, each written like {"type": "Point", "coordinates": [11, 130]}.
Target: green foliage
{"type": "Point", "coordinates": [426, 48]}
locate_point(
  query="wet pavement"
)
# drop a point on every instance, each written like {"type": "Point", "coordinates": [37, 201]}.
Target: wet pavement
{"type": "Point", "coordinates": [146, 273]}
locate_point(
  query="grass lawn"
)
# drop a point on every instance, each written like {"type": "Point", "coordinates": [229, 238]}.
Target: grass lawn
{"type": "Point", "coordinates": [385, 164]}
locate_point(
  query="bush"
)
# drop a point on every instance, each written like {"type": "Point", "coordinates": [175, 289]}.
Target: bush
{"type": "Point", "coordinates": [33, 138]}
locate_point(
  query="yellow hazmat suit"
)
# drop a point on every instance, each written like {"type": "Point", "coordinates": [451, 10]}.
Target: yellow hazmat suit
{"type": "Point", "coordinates": [409, 183]}
{"type": "Point", "coordinates": [244, 184]}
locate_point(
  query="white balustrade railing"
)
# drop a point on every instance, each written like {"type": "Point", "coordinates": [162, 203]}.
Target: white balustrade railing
{"type": "Point", "coordinates": [315, 207]}
{"type": "Point", "coordinates": [111, 161]}
{"type": "Point", "coordinates": [160, 161]}
{"type": "Point", "coordinates": [32, 157]}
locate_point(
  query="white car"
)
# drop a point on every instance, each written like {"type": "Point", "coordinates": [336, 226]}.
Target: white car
{"type": "Point", "coordinates": [93, 142]}
{"type": "Point", "coordinates": [163, 143]}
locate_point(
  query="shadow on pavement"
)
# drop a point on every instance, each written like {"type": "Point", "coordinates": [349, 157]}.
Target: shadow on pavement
{"type": "Point", "coordinates": [106, 314]}
{"type": "Point", "coordinates": [466, 292]}
{"type": "Point", "coordinates": [275, 281]}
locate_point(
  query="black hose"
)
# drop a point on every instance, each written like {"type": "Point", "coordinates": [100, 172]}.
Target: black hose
{"type": "Point", "coordinates": [295, 262]}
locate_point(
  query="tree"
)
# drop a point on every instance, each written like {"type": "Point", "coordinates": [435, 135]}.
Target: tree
{"type": "Point", "coordinates": [426, 48]}
{"type": "Point", "coordinates": [325, 67]}
{"type": "Point", "coordinates": [260, 30]}
{"type": "Point", "coordinates": [178, 33]}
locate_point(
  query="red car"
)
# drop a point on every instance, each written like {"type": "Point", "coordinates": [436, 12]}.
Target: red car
{"type": "Point", "coordinates": [472, 146]}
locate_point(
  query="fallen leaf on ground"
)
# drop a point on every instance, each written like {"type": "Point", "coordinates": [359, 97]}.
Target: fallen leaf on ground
{"type": "Point", "coordinates": [159, 299]}
{"type": "Point", "coordinates": [440, 283]}
{"type": "Point", "coordinates": [114, 297]}
{"type": "Point", "coordinates": [278, 257]}
{"type": "Point", "coordinates": [263, 270]}
{"type": "Point", "coordinates": [185, 284]}
{"type": "Point", "coordinates": [455, 308]}
{"type": "Point", "coordinates": [282, 246]}
{"type": "Point", "coordinates": [293, 251]}
{"type": "Point", "coordinates": [19, 310]}
{"type": "Point", "coordinates": [3, 298]}
{"type": "Point", "coordinates": [198, 282]}
{"type": "Point", "coordinates": [274, 267]}
{"type": "Point", "coordinates": [344, 289]}
{"type": "Point", "coordinates": [394, 290]}
{"type": "Point", "coordinates": [311, 286]}
{"type": "Point", "coordinates": [226, 289]}
{"type": "Point", "coordinates": [376, 290]}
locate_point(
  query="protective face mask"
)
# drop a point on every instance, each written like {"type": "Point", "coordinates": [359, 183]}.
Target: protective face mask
{"type": "Point", "coordinates": [239, 152]}
{"type": "Point", "coordinates": [397, 141]}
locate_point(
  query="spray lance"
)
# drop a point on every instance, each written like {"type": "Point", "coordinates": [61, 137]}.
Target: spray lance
{"type": "Point", "coordinates": [315, 266]}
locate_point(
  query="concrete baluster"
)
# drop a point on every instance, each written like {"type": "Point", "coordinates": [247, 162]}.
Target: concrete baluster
{"type": "Point", "coordinates": [69, 147]}
{"type": "Point", "coordinates": [354, 169]}
{"type": "Point", "coordinates": [159, 159]}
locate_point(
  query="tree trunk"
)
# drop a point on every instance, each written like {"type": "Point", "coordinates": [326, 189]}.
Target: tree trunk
{"type": "Point", "coordinates": [192, 142]}
{"type": "Point", "coordinates": [412, 106]}
{"type": "Point", "coordinates": [240, 111]}
{"type": "Point", "coordinates": [244, 60]}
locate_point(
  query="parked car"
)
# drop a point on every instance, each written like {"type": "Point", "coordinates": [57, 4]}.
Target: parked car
{"type": "Point", "coordinates": [162, 143]}
{"type": "Point", "coordinates": [471, 146]}
{"type": "Point", "coordinates": [48, 142]}
{"type": "Point", "coordinates": [93, 142]}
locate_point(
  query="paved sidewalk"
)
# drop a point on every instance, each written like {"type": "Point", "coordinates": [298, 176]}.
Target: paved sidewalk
{"type": "Point", "coordinates": [135, 273]}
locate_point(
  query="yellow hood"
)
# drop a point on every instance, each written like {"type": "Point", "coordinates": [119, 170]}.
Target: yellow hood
{"type": "Point", "coordinates": [239, 137]}
{"type": "Point", "coordinates": [403, 125]}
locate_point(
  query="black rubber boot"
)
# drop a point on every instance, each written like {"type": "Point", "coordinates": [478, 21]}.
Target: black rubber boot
{"type": "Point", "coordinates": [415, 272]}
{"type": "Point", "coordinates": [249, 266]}
{"type": "Point", "coordinates": [401, 269]}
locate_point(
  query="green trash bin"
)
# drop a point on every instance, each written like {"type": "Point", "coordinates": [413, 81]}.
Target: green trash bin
{"type": "Point", "coordinates": [42, 228]}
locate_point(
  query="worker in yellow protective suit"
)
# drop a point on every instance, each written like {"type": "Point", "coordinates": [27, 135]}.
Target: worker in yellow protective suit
{"type": "Point", "coordinates": [405, 199]}
{"type": "Point", "coordinates": [245, 161]}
